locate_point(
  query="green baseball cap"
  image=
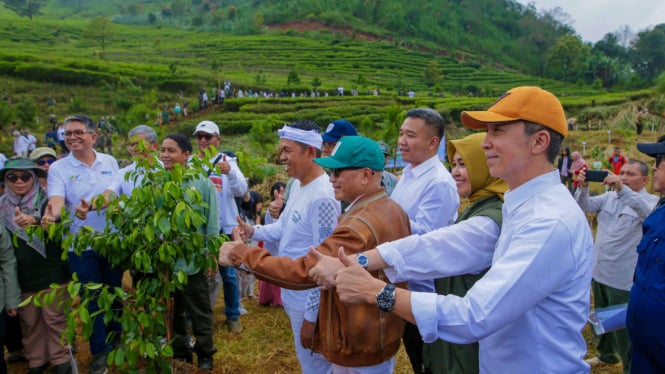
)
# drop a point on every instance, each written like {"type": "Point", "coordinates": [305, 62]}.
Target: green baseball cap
{"type": "Point", "coordinates": [354, 152]}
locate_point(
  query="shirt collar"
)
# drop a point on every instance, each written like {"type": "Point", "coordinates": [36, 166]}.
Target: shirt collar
{"type": "Point", "coordinates": [423, 167]}
{"type": "Point", "coordinates": [514, 198]}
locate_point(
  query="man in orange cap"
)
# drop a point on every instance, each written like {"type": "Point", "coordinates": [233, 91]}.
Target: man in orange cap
{"type": "Point", "coordinates": [529, 309]}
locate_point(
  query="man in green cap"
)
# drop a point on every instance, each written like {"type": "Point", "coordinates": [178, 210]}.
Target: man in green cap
{"type": "Point", "coordinates": [360, 337]}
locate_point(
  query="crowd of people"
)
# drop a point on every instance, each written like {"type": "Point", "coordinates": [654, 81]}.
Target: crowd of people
{"type": "Point", "coordinates": [363, 261]}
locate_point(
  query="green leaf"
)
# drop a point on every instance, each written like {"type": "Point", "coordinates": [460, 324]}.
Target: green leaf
{"type": "Point", "coordinates": [119, 357]}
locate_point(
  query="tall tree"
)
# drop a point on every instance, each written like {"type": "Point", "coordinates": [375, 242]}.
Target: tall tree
{"type": "Point", "coordinates": [567, 58]}
{"type": "Point", "coordinates": [649, 53]}
{"type": "Point", "coordinates": [25, 8]}
{"type": "Point", "coordinates": [100, 31]}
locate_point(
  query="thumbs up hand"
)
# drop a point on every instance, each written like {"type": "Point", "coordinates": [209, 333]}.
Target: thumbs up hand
{"type": "Point", "coordinates": [355, 285]}
{"type": "Point", "coordinates": [22, 219]}
{"type": "Point", "coordinates": [48, 217]}
{"type": "Point", "coordinates": [275, 206]}
{"type": "Point", "coordinates": [82, 209]}
{"type": "Point", "coordinates": [326, 268]}
{"type": "Point", "coordinates": [224, 165]}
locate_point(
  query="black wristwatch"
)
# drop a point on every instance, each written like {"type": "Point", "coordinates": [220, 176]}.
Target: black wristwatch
{"type": "Point", "coordinates": [386, 298]}
{"type": "Point", "coordinates": [362, 259]}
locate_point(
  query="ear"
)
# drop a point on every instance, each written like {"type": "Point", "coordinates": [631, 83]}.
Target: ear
{"type": "Point", "coordinates": [539, 142]}
{"type": "Point", "coordinates": [434, 142]}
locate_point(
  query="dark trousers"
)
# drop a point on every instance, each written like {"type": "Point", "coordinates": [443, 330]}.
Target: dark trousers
{"type": "Point", "coordinates": [14, 335]}
{"type": "Point", "coordinates": [193, 300]}
{"type": "Point", "coordinates": [92, 267]}
{"type": "Point", "coordinates": [413, 344]}
{"type": "Point", "coordinates": [615, 345]}
{"type": "Point", "coordinates": [3, 333]}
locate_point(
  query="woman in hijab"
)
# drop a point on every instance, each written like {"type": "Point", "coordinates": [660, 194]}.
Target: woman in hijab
{"type": "Point", "coordinates": [38, 266]}
{"type": "Point", "coordinates": [578, 164]}
{"type": "Point", "coordinates": [485, 199]}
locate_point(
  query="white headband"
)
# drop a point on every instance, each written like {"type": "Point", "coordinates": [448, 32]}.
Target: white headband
{"type": "Point", "coordinates": [309, 137]}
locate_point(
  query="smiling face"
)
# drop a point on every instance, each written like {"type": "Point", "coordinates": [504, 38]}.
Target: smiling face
{"type": "Point", "coordinates": [508, 152]}
{"type": "Point", "coordinates": [295, 159]}
{"type": "Point", "coordinates": [171, 154]}
{"type": "Point", "coordinates": [417, 142]}
{"type": "Point", "coordinates": [78, 137]}
{"type": "Point", "coordinates": [461, 176]}
{"type": "Point", "coordinates": [205, 140]}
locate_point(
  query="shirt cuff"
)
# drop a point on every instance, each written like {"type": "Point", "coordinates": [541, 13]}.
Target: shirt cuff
{"type": "Point", "coordinates": [423, 308]}
{"type": "Point", "coordinates": [393, 259]}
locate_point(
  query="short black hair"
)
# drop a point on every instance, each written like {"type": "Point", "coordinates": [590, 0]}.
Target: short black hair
{"type": "Point", "coordinates": [84, 119]}
{"type": "Point", "coordinates": [432, 119]}
{"type": "Point", "coordinates": [182, 140]}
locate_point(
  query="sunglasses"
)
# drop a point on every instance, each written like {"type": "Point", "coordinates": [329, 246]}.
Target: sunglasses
{"type": "Point", "coordinates": [336, 172]}
{"type": "Point", "coordinates": [204, 136]}
{"type": "Point", "coordinates": [13, 178]}
{"type": "Point", "coordinates": [44, 162]}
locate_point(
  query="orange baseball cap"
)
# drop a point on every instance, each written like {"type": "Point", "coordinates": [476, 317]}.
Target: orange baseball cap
{"type": "Point", "coordinates": [532, 104]}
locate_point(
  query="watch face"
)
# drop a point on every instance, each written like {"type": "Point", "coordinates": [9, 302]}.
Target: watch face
{"type": "Point", "coordinates": [386, 298]}
{"type": "Point", "coordinates": [362, 260]}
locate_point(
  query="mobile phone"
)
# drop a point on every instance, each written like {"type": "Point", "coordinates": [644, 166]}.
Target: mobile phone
{"type": "Point", "coordinates": [595, 175]}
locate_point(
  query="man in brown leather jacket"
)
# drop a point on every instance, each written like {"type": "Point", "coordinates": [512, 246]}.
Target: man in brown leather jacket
{"type": "Point", "coordinates": [360, 336]}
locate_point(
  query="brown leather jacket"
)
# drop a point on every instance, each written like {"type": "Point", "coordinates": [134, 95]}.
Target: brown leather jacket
{"type": "Point", "coordinates": [347, 335]}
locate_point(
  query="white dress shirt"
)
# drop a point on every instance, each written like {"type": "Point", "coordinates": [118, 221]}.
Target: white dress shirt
{"type": "Point", "coordinates": [428, 195]}
{"type": "Point", "coordinates": [529, 309]}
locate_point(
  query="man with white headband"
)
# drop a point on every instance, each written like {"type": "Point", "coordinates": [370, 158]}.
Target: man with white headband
{"type": "Point", "coordinates": [309, 217]}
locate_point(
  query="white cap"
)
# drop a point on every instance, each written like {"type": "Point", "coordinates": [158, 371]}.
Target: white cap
{"type": "Point", "coordinates": [209, 127]}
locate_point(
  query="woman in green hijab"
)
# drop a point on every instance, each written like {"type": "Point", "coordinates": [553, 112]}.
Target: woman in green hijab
{"type": "Point", "coordinates": [485, 198]}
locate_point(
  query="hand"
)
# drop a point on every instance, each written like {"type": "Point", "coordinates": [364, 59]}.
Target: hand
{"type": "Point", "coordinates": [48, 217]}
{"type": "Point", "coordinates": [275, 206]}
{"type": "Point", "coordinates": [307, 332]}
{"type": "Point", "coordinates": [613, 181]}
{"type": "Point", "coordinates": [224, 166]}
{"type": "Point", "coordinates": [580, 177]}
{"type": "Point", "coordinates": [355, 285]}
{"type": "Point", "coordinates": [82, 210]}
{"type": "Point", "coordinates": [246, 230]}
{"type": "Point", "coordinates": [23, 219]}
{"type": "Point", "coordinates": [230, 254]}
{"type": "Point", "coordinates": [326, 268]}
{"type": "Point", "coordinates": [237, 234]}
{"type": "Point", "coordinates": [11, 312]}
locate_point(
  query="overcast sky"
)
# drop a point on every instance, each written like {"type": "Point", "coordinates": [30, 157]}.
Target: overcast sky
{"type": "Point", "coordinates": [592, 19]}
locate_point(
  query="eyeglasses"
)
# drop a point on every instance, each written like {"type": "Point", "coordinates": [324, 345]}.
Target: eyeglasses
{"type": "Point", "coordinates": [13, 178]}
{"type": "Point", "coordinates": [204, 136]}
{"type": "Point", "coordinates": [43, 162]}
{"type": "Point", "coordinates": [336, 172]}
{"type": "Point", "coordinates": [77, 133]}
{"type": "Point", "coordinates": [659, 158]}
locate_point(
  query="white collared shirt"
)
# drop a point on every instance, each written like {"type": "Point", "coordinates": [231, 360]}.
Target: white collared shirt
{"type": "Point", "coordinates": [428, 195]}
{"type": "Point", "coordinates": [529, 309]}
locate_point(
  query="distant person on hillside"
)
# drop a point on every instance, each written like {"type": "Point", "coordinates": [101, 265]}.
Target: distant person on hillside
{"type": "Point", "coordinates": [61, 139]}
{"type": "Point", "coordinates": [20, 144]}
{"type": "Point", "coordinates": [32, 141]}
{"type": "Point", "coordinates": [617, 160]}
